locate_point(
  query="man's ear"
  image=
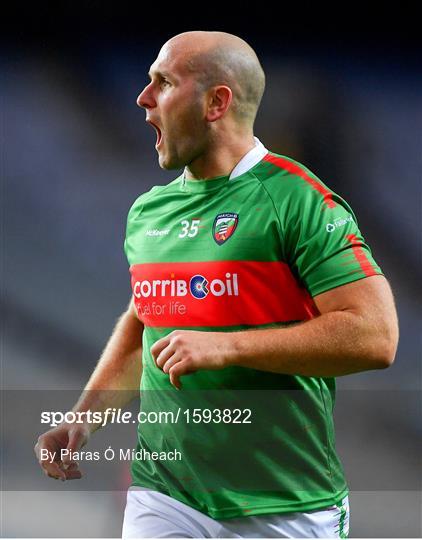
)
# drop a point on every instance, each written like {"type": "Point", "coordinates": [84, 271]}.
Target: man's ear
{"type": "Point", "coordinates": [219, 99]}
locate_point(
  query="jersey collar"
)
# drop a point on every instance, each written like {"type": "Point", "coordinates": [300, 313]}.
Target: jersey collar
{"type": "Point", "coordinates": [248, 161]}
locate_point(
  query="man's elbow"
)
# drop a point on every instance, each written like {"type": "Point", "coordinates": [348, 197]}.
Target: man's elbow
{"type": "Point", "coordinates": [387, 355]}
{"type": "Point", "coordinates": [384, 353]}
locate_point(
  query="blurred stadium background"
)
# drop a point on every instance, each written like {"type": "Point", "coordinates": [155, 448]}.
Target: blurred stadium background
{"type": "Point", "coordinates": [77, 152]}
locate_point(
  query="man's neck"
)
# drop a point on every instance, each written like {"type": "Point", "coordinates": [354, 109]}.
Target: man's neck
{"type": "Point", "coordinates": [219, 161]}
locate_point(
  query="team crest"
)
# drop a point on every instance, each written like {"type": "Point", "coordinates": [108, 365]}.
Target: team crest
{"type": "Point", "coordinates": [224, 226]}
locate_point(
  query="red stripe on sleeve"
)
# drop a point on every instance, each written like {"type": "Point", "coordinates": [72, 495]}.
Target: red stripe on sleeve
{"type": "Point", "coordinates": [360, 255]}
{"type": "Point", "coordinates": [293, 168]}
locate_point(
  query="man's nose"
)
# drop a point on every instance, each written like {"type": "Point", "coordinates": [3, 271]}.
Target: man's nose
{"type": "Point", "coordinates": [146, 98]}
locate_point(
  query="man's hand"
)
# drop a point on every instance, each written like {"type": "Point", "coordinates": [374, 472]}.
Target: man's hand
{"type": "Point", "coordinates": [185, 351]}
{"type": "Point", "coordinates": [66, 436]}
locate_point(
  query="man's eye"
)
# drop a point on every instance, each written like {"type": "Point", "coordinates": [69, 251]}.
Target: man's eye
{"type": "Point", "coordinates": [164, 82]}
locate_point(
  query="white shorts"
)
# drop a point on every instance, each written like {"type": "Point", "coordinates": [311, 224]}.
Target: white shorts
{"type": "Point", "coordinates": [150, 514]}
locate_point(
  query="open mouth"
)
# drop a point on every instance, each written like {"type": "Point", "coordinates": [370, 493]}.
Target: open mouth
{"type": "Point", "coordinates": [158, 132]}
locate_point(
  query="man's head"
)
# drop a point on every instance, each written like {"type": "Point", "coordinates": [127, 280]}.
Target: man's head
{"type": "Point", "coordinates": [204, 86]}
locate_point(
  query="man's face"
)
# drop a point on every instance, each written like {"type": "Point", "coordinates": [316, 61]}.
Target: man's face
{"type": "Point", "coordinates": [175, 107]}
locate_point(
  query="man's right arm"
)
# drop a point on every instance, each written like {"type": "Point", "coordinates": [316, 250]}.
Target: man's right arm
{"type": "Point", "coordinates": [114, 383]}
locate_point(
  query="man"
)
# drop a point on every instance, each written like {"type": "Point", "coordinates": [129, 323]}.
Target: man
{"type": "Point", "coordinates": [252, 290]}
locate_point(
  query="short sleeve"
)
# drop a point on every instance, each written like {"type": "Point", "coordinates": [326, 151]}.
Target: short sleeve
{"type": "Point", "coordinates": [322, 241]}
{"type": "Point", "coordinates": [131, 225]}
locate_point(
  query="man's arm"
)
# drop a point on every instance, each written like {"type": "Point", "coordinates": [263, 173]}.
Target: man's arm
{"type": "Point", "coordinates": [114, 382]}
{"type": "Point", "coordinates": [356, 330]}
{"type": "Point", "coordinates": [116, 379]}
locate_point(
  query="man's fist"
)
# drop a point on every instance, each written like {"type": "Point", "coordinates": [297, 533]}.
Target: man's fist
{"type": "Point", "coordinates": [185, 351]}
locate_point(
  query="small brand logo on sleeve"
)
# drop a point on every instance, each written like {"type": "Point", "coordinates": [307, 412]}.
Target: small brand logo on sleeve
{"type": "Point", "coordinates": [339, 222]}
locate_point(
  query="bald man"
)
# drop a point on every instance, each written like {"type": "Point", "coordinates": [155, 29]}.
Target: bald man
{"type": "Point", "coordinates": [252, 290]}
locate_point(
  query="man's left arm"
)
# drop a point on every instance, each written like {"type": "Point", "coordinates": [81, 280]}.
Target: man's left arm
{"type": "Point", "coordinates": [356, 330]}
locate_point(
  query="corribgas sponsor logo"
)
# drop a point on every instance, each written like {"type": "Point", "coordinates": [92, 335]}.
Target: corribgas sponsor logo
{"type": "Point", "coordinates": [198, 287]}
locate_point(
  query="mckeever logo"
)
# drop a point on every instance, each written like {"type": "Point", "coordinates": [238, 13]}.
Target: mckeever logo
{"type": "Point", "coordinates": [157, 232]}
{"type": "Point", "coordinates": [224, 226]}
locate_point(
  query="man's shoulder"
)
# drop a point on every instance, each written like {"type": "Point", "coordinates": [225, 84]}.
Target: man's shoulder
{"type": "Point", "coordinates": [158, 189]}
{"type": "Point", "coordinates": [296, 191]}
{"type": "Point", "coordinates": [278, 167]}
{"type": "Point", "coordinates": [153, 192]}
{"type": "Point", "coordinates": [282, 176]}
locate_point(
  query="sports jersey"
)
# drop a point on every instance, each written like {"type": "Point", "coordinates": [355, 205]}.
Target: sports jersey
{"type": "Point", "coordinates": [233, 253]}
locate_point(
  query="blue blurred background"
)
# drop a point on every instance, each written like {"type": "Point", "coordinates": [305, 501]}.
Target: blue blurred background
{"type": "Point", "coordinates": [77, 152]}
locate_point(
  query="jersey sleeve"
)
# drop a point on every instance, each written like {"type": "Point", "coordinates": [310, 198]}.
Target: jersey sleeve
{"type": "Point", "coordinates": [127, 240]}
{"type": "Point", "coordinates": [321, 239]}
{"type": "Point", "coordinates": [132, 224]}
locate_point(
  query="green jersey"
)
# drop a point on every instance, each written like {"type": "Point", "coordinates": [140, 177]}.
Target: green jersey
{"type": "Point", "coordinates": [229, 254]}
